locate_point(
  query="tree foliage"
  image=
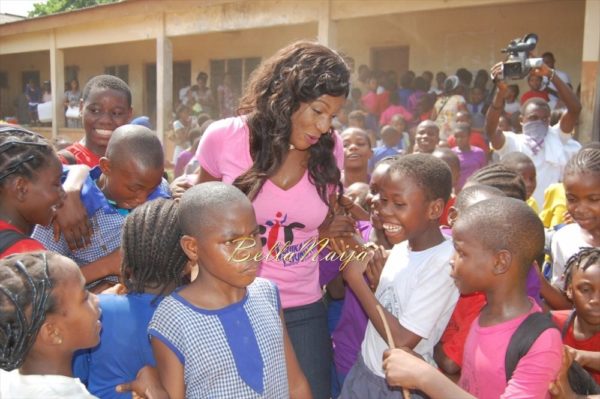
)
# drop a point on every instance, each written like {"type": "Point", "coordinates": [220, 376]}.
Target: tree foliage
{"type": "Point", "coordinates": [54, 6]}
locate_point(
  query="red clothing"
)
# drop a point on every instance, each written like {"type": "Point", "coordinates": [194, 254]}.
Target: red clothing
{"type": "Point", "coordinates": [82, 155]}
{"type": "Point", "coordinates": [24, 245]}
{"type": "Point", "coordinates": [449, 204]}
{"type": "Point", "coordinates": [466, 310]}
{"type": "Point", "coordinates": [476, 139]}
{"type": "Point", "coordinates": [591, 344]}
{"type": "Point", "coordinates": [532, 94]}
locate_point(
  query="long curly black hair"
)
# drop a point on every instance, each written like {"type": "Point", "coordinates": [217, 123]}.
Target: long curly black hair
{"type": "Point", "coordinates": [299, 73]}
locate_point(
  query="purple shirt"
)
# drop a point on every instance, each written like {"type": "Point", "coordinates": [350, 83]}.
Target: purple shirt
{"type": "Point", "coordinates": [470, 162]}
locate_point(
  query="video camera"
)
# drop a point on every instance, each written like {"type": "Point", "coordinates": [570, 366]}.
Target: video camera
{"type": "Point", "coordinates": [518, 63]}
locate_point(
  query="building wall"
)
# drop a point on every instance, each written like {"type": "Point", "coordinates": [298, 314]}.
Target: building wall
{"type": "Point", "coordinates": [471, 37]}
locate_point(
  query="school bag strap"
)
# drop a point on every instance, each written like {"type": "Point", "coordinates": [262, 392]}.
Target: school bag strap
{"type": "Point", "coordinates": [10, 237]}
{"type": "Point", "coordinates": [565, 327]}
{"type": "Point", "coordinates": [523, 338]}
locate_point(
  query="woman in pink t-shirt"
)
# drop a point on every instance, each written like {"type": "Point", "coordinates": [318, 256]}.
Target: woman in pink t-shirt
{"type": "Point", "coordinates": [283, 154]}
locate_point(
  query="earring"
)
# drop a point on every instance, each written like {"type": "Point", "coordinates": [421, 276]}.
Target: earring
{"type": "Point", "coordinates": [59, 340]}
{"type": "Point", "coordinates": [292, 147]}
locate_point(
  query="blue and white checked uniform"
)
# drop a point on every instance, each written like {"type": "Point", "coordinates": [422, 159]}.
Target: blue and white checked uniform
{"type": "Point", "coordinates": [215, 346]}
{"type": "Point", "coordinates": [105, 219]}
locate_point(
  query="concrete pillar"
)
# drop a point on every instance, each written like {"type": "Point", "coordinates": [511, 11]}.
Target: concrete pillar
{"type": "Point", "coordinates": [589, 123]}
{"type": "Point", "coordinates": [164, 81]}
{"type": "Point", "coordinates": [57, 80]}
{"type": "Point", "coordinates": [327, 33]}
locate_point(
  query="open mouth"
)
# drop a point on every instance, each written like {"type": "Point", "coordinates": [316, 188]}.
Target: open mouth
{"type": "Point", "coordinates": [104, 133]}
{"type": "Point", "coordinates": [391, 228]}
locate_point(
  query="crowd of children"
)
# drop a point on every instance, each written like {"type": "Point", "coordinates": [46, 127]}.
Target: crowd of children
{"type": "Point", "coordinates": [421, 218]}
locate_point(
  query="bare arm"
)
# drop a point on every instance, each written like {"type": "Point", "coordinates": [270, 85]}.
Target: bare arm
{"type": "Point", "coordinates": [353, 274]}
{"type": "Point", "coordinates": [170, 369]}
{"type": "Point", "coordinates": [569, 119]}
{"type": "Point", "coordinates": [403, 369]}
{"type": "Point", "coordinates": [492, 116]}
{"type": "Point", "coordinates": [108, 265]}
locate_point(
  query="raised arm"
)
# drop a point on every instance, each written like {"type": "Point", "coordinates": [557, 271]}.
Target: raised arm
{"type": "Point", "coordinates": [492, 116]}
{"type": "Point", "coordinates": [569, 119]}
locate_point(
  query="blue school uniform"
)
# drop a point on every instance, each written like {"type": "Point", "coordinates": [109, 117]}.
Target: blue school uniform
{"type": "Point", "coordinates": [234, 352]}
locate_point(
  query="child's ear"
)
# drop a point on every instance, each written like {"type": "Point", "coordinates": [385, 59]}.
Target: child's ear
{"type": "Point", "coordinates": [105, 166]}
{"type": "Point", "coordinates": [436, 208]}
{"type": "Point", "coordinates": [20, 186]}
{"type": "Point", "coordinates": [452, 215]}
{"type": "Point", "coordinates": [50, 334]}
{"type": "Point", "coordinates": [569, 292]}
{"type": "Point", "coordinates": [190, 247]}
{"type": "Point", "coordinates": [503, 261]}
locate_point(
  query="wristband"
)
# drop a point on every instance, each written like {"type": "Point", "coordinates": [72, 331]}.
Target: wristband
{"type": "Point", "coordinates": [552, 75]}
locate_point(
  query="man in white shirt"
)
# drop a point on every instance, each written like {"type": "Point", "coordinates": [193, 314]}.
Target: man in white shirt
{"type": "Point", "coordinates": [549, 147]}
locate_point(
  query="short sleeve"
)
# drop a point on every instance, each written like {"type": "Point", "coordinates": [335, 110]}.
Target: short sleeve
{"type": "Point", "coordinates": [45, 235]}
{"type": "Point", "coordinates": [510, 144]}
{"type": "Point", "coordinates": [210, 149]}
{"type": "Point", "coordinates": [166, 328]}
{"type": "Point", "coordinates": [537, 368]}
{"type": "Point", "coordinates": [427, 304]}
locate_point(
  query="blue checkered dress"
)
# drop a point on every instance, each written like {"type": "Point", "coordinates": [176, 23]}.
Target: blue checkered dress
{"type": "Point", "coordinates": [216, 347]}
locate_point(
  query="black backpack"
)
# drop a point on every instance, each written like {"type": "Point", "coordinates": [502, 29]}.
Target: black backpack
{"type": "Point", "coordinates": [10, 237]}
{"type": "Point", "coordinates": [527, 333]}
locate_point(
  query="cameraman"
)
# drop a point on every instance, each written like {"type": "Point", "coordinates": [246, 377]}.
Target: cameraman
{"type": "Point", "coordinates": [550, 147]}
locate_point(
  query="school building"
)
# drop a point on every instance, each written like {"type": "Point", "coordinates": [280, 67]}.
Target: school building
{"type": "Point", "coordinates": [158, 46]}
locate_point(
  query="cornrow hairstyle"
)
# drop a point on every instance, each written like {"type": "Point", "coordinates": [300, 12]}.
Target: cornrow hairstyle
{"type": "Point", "coordinates": [299, 73]}
{"type": "Point", "coordinates": [582, 260]}
{"type": "Point", "coordinates": [586, 160]}
{"type": "Point", "coordinates": [22, 153]}
{"type": "Point", "coordinates": [503, 178]}
{"type": "Point", "coordinates": [152, 256]}
{"type": "Point", "coordinates": [107, 82]}
{"type": "Point", "coordinates": [25, 299]}
{"type": "Point", "coordinates": [431, 174]}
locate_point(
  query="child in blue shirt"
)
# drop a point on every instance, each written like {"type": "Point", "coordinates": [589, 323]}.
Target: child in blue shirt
{"type": "Point", "coordinates": [129, 175]}
{"type": "Point", "coordinates": [153, 265]}
{"type": "Point", "coordinates": [222, 336]}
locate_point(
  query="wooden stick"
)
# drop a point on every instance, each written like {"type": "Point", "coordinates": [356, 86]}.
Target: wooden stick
{"type": "Point", "coordinates": [390, 341]}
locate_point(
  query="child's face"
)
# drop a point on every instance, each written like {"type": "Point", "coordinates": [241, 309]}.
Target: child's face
{"type": "Point", "coordinates": [357, 150]}
{"type": "Point", "coordinates": [511, 95]}
{"type": "Point", "coordinates": [528, 173]}
{"type": "Point", "coordinates": [374, 187]}
{"type": "Point", "coordinates": [404, 210]}
{"type": "Point", "coordinates": [313, 119]}
{"type": "Point", "coordinates": [462, 140]}
{"type": "Point", "coordinates": [471, 263]}
{"type": "Point", "coordinates": [427, 139]}
{"type": "Point", "coordinates": [78, 312]}
{"type": "Point", "coordinates": [390, 138]}
{"type": "Point", "coordinates": [584, 291]}
{"type": "Point", "coordinates": [535, 82]}
{"type": "Point", "coordinates": [129, 184]}
{"type": "Point", "coordinates": [476, 96]}
{"type": "Point", "coordinates": [44, 194]}
{"type": "Point", "coordinates": [104, 111]}
{"type": "Point", "coordinates": [227, 249]}
{"type": "Point", "coordinates": [583, 200]}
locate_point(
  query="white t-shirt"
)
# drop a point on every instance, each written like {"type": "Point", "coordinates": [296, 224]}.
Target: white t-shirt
{"type": "Point", "coordinates": [417, 289]}
{"type": "Point", "coordinates": [550, 160]}
{"type": "Point", "coordinates": [14, 385]}
{"type": "Point", "coordinates": [566, 242]}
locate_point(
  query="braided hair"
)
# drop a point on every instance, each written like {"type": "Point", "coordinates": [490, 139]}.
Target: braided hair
{"type": "Point", "coordinates": [501, 177]}
{"type": "Point", "coordinates": [587, 160]}
{"type": "Point", "coordinates": [22, 153]}
{"type": "Point", "coordinates": [25, 300]}
{"type": "Point", "coordinates": [582, 260]}
{"type": "Point", "coordinates": [152, 256]}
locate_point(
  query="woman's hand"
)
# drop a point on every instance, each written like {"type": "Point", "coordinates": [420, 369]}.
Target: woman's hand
{"type": "Point", "coordinates": [180, 185]}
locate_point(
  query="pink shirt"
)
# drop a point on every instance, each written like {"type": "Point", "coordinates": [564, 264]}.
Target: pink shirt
{"type": "Point", "coordinates": [288, 219]}
{"type": "Point", "coordinates": [483, 372]}
{"type": "Point", "coordinates": [386, 116]}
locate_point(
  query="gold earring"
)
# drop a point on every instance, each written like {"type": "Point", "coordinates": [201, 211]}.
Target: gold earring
{"type": "Point", "coordinates": [292, 147]}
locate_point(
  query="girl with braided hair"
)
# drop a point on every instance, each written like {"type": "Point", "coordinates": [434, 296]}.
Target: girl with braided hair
{"type": "Point", "coordinates": [153, 266]}
{"type": "Point", "coordinates": [30, 188]}
{"type": "Point", "coordinates": [582, 189]}
{"type": "Point", "coordinates": [46, 314]}
{"type": "Point", "coordinates": [581, 326]}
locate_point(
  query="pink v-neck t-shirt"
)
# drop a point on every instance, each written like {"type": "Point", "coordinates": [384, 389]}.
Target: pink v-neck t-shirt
{"type": "Point", "coordinates": [288, 219]}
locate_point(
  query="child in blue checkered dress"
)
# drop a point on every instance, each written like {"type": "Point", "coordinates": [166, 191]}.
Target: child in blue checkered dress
{"type": "Point", "coordinates": [129, 175]}
{"type": "Point", "coordinates": [222, 336]}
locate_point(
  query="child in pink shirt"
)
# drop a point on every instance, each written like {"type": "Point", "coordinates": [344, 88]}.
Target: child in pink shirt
{"type": "Point", "coordinates": [495, 242]}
